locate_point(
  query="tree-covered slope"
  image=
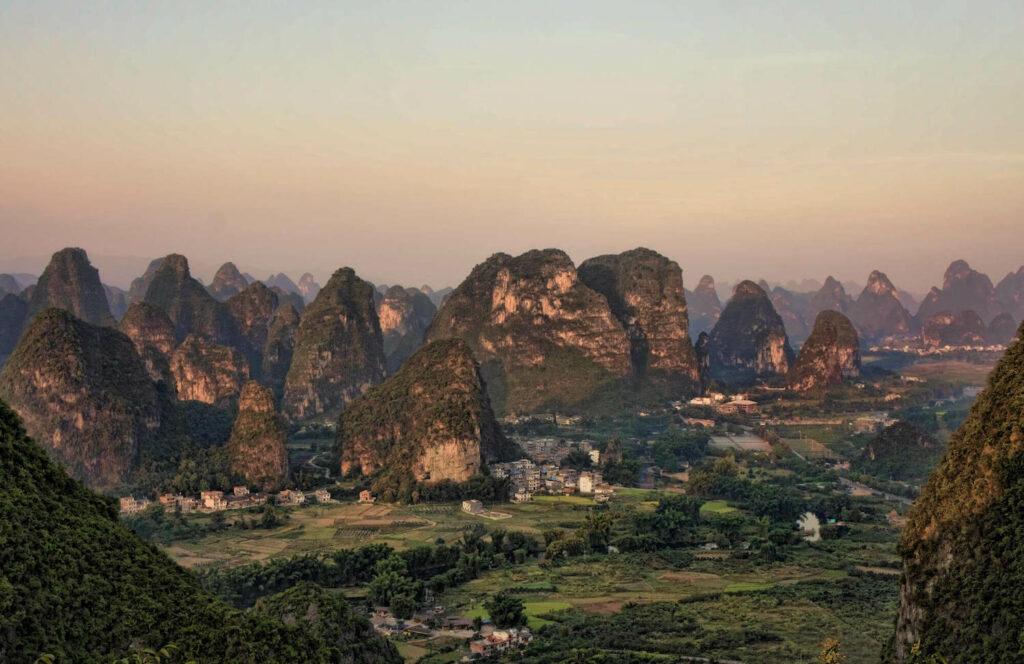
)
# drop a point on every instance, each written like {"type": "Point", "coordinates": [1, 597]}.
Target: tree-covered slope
{"type": "Point", "coordinates": [963, 547]}
{"type": "Point", "coordinates": [77, 584]}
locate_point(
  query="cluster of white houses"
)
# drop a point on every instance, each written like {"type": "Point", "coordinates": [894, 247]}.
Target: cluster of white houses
{"type": "Point", "coordinates": [528, 478]}
{"type": "Point", "coordinates": [499, 641]}
{"type": "Point", "coordinates": [215, 501]}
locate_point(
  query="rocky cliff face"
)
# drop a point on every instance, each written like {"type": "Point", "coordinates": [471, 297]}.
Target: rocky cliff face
{"type": "Point", "coordinates": [790, 307]}
{"type": "Point", "coordinates": [284, 282]}
{"type": "Point", "coordinates": [117, 299]}
{"type": "Point", "coordinates": [405, 315]}
{"type": "Point", "coordinates": [749, 340]}
{"type": "Point", "coordinates": [13, 310]}
{"type": "Point", "coordinates": [948, 329]}
{"type": "Point", "coordinates": [437, 297]}
{"type": "Point", "coordinates": [207, 372]}
{"type": "Point", "coordinates": [253, 310]}
{"type": "Point", "coordinates": [227, 282]}
{"type": "Point", "coordinates": [139, 285]}
{"type": "Point", "coordinates": [1001, 330]}
{"type": "Point", "coordinates": [71, 283]}
{"type": "Point", "coordinates": [543, 338]}
{"type": "Point", "coordinates": [257, 448]}
{"type": "Point", "coordinates": [877, 313]}
{"type": "Point", "coordinates": [704, 306]}
{"type": "Point", "coordinates": [308, 287]}
{"type": "Point", "coordinates": [963, 289]}
{"type": "Point", "coordinates": [152, 333]}
{"type": "Point", "coordinates": [829, 356]}
{"type": "Point", "coordinates": [188, 305]}
{"type": "Point", "coordinates": [645, 293]}
{"type": "Point", "coordinates": [832, 296]}
{"type": "Point", "coordinates": [294, 299]}
{"type": "Point", "coordinates": [430, 422]}
{"type": "Point", "coordinates": [962, 568]}
{"type": "Point", "coordinates": [1010, 293]}
{"type": "Point", "coordinates": [83, 393]}
{"type": "Point", "coordinates": [339, 351]}
{"type": "Point", "coordinates": [278, 349]}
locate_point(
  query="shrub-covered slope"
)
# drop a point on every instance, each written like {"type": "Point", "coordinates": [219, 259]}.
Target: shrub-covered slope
{"type": "Point", "coordinates": [963, 547]}
{"type": "Point", "coordinates": [77, 584]}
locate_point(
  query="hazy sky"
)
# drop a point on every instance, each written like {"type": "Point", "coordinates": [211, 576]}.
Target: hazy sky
{"type": "Point", "coordinates": [411, 140]}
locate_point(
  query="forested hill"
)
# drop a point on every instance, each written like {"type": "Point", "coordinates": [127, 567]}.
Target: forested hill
{"type": "Point", "coordinates": [77, 584]}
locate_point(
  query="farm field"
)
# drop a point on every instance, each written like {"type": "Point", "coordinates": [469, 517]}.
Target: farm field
{"type": "Point", "coordinates": [326, 528]}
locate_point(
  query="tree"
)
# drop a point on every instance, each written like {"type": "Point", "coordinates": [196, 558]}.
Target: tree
{"type": "Point", "coordinates": [506, 610]}
{"type": "Point", "coordinates": [403, 606]}
{"type": "Point", "coordinates": [830, 653]}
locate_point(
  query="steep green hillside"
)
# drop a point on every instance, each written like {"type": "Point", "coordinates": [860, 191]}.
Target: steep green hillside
{"type": "Point", "coordinates": [963, 547]}
{"type": "Point", "coordinates": [77, 584]}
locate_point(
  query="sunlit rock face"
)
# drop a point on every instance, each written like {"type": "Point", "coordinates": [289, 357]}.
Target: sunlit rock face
{"type": "Point", "coordinates": [208, 372]}
{"type": "Point", "coordinates": [405, 315]}
{"type": "Point", "coordinates": [152, 333]}
{"type": "Point", "coordinates": [543, 338]}
{"type": "Point", "coordinates": [749, 340]}
{"type": "Point", "coordinates": [71, 283]}
{"type": "Point", "coordinates": [878, 313]}
{"type": "Point", "coordinates": [645, 293]}
{"type": "Point", "coordinates": [83, 393]}
{"type": "Point", "coordinates": [256, 449]}
{"type": "Point", "coordinates": [430, 422]}
{"type": "Point", "coordinates": [963, 289]}
{"type": "Point", "coordinates": [339, 350]}
{"type": "Point", "coordinates": [308, 287]}
{"type": "Point", "coordinates": [954, 329]}
{"type": "Point", "coordinates": [830, 355]}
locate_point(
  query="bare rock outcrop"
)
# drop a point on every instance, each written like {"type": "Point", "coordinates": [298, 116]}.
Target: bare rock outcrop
{"type": "Point", "coordinates": [208, 372]}
{"type": "Point", "coordinates": [405, 315]}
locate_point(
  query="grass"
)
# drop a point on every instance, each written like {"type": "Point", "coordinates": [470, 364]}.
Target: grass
{"type": "Point", "coordinates": [532, 609]}
{"type": "Point", "coordinates": [717, 507]}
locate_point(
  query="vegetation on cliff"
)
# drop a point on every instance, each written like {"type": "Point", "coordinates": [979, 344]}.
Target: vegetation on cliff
{"type": "Point", "coordinates": [338, 349]}
{"type": "Point", "coordinates": [70, 282]}
{"type": "Point", "coordinates": [84, 393]}
{"type": "Point", "coordinates": [963, 546]}
{"type": "Point", "coordinates": [82, 587]}
{"type": "Point", "coordinates": [256, 449]}
{"type": "Point", "coordinates": [430, 422]}
{"type": "Point", "coordinates": [749, 340]}
{"type": "Point", "coordinates": [830, 355]}
{"type": "Point", "coordinates": [543, 338]}
{"type": "Point", "coordinates": [188, 305]}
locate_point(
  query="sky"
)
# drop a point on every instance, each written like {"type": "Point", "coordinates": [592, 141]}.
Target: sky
{"type": "Point", "coordinates": [411, 140]}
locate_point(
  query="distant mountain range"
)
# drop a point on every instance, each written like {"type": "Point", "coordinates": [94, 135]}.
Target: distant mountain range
{"type": "Point", "coordinates": [609, 335]}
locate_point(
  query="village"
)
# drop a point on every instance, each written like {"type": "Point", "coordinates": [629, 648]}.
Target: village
{"type": "Point", "coordinates": [216, 501]}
